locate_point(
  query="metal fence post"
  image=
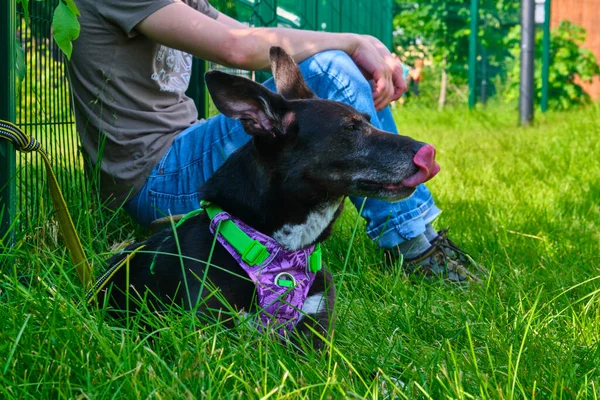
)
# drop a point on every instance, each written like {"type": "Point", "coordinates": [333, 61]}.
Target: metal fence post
{"type": "Point", "coordinates": [197, 88]}
{"type": "Point", "coordinates": [526, 95]}
{"type": "Point", "coordinates": [7, 112]}
{"type": "Point", "coordinates": [546, 56]}
{"type": "Point", "coordinates": [473, 53]}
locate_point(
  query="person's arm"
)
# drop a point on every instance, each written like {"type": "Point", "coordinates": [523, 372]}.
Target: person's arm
{"type": "Point", "coordinates": [230, 22]}
{"type": "Point", "coordinates": [179, 26]}
{"type": "Point", "coordinates": [227, 43]}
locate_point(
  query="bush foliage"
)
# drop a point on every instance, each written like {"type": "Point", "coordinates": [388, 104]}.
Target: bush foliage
{"type": "Point", "coordinates": [442, 28]}
{"type": "Point", "coordinates": [570, 64]}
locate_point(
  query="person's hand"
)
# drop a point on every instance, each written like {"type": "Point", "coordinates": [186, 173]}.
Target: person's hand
{"type": "Point", "coordinates": [395, 65]}
{"type": "Point", "coordinates": [377, 64]}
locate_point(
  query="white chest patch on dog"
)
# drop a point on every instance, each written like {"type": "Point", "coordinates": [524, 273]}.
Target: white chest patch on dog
{"type": "Point", "coordinates": [294, 237]}
{"type": "Point", "coordinates": [313, 305]}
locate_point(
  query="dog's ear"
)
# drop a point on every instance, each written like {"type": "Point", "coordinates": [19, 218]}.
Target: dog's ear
{"type": "Point", "coordinates": [262, 112]}
{"type": "Point", "coordinates": [288, 79]}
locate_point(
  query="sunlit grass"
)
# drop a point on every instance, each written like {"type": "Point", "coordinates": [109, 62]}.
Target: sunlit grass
{"type": "Point", "coordinates": [524, 202]}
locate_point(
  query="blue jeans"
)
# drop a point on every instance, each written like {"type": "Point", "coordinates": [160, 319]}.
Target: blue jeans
{"type": "Point", "coordinates": [200, 150]}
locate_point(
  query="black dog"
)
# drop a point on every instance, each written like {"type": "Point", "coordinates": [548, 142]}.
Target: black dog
{"type": "Point", "coordinates": [289, 182]}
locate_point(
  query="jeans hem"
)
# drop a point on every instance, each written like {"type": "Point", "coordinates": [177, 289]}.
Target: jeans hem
{"type": "Point", "coordinates": [402, 224]}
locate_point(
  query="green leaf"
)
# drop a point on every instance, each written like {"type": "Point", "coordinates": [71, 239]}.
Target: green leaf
{"type": "Point", "coordinates": [25, 5]}
{"type": "Point", "coordinates": [20, 67]}
{"type": "Point", "coordinates": [65, 28]}
{"type": "Point", "coordinates": [73, 7]}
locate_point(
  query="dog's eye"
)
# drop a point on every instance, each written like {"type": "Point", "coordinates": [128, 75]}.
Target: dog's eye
{"type": "Point", "coordinates": [353, 127]}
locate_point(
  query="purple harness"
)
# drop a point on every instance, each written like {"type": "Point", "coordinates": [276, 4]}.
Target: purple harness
{"type": "Point", "coordinates": [282, 280]}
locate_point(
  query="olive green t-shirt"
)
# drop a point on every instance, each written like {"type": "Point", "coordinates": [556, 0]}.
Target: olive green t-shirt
{"type": "Point", "coordinates": [129, 92]}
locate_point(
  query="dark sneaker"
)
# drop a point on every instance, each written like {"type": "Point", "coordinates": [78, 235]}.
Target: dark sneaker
{"type": "Point", "coordinates": [444, 259]}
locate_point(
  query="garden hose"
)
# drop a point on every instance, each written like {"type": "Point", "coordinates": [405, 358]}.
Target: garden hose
{"type": "Point", "coordinates": [26, 144]}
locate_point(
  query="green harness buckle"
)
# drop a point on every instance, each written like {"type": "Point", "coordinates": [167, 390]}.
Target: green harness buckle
{"type": "Point", "coordinates": [315, 260]}
{"type": "Point", "coordinates": [255, 253]}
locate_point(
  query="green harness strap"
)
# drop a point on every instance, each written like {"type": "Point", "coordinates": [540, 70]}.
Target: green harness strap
{"type": "Point", "coordinates": [252, 251]}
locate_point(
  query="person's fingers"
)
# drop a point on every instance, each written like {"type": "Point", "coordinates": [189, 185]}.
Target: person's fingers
{"type": "Point", "coordinates": [386, 97]}
{"type": "Point", "coordinates": [383, 89]}
{"type": "Point", "coordinates": [398, 82]}
{"type": "Point", "coordinates": [375, 65]}
{"type": "Point", "coordinates": [378, 88]}
{"type": "Point", "coordinates": [390, 91]}
{"type": "Point", "coordinates": [378, 76]}
{"type": "Point", "coordinates": [397, 72]}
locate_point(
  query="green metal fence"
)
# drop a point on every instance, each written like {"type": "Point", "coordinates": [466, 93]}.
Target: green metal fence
{"type": "Point", "coordinates": [7, 112]}
{"type": "Point", "coordinates": [41, 104]}
{"type": "Point", "coordinates": [372, 17]}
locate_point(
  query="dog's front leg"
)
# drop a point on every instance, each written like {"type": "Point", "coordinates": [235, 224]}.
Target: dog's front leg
{"type": "Point", "coordinates": [318, 311]}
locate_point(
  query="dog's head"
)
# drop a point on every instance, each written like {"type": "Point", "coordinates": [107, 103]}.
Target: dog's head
{"type": "Point", "coordinates": [320, 146]}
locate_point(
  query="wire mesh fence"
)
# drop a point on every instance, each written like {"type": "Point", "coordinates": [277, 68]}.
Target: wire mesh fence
{"type": "Point", "coordinates": [43, 110]}
{"type": "Point", "coordinates": [41, 104]}
{"type": "Point", "coordinates": [459, 46]}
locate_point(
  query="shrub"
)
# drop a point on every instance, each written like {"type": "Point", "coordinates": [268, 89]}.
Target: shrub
{"type": "Point", "coordinates": [569, 61]}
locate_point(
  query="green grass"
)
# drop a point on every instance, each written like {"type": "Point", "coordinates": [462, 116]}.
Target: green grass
{"type": "Point", "coordinates": [524, 202]}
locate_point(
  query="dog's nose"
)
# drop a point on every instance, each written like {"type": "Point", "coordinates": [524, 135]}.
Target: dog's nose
{"type": "Point", "coordinates": [424, 159]}
{"type": "Point", "coordinates": [416, 146]}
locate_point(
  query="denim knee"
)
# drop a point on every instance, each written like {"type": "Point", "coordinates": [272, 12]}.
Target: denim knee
{"type": "Point", "coordinates": [334, 75]}
{"type": "Point", "coordinates": [342, 68]}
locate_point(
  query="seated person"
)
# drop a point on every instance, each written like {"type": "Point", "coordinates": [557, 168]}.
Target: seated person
{"type": "Point", "coordinates": [130, 69]}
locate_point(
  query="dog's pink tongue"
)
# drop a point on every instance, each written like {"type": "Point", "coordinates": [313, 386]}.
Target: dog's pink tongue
{"type": "Point", "coordinates": [428, 167]}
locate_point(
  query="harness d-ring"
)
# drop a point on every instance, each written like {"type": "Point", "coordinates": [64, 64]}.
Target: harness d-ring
{"type": "Point", "coordinates": [285, 279]}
